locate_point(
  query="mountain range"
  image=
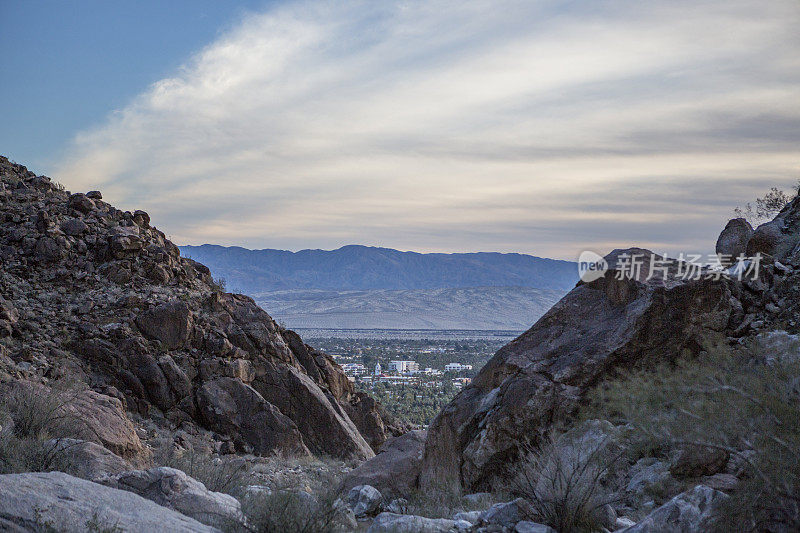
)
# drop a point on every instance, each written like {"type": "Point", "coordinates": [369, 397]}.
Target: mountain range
{"type": "Point", "coordinates": [368, 287]}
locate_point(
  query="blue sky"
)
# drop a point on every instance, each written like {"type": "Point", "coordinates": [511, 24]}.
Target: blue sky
{"type": "Point", "coordinates": [542, 126]}
{"type": "Point", "coordinates": [74, 62]}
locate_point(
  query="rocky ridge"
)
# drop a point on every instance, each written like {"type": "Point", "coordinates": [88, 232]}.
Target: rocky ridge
{"type": "Point", "coordinates": [538, 381]}
{"type": "Point", "coordinates": [98, 295]}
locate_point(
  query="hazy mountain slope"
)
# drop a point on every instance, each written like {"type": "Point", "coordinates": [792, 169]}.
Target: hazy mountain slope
{"type": "Point", "coordinates": [452, 308]}
{"type": "Point", "coordinates": [366, 268]}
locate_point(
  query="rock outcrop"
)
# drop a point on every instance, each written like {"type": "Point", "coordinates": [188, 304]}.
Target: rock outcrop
{"type": "Point", "coordinates": [625, 319]}
{"type": "Point", "coordinates": [97, 294]}
{"type": "Point", "coordinates": [395, 469]}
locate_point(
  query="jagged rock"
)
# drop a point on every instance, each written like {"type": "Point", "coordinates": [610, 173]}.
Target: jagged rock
{"type": "Point", "coordinates": [233, 408]}
{"type": "Point", "coordinates": [94, 195]}
{"type": "Point", "coordinates": [170, 323]}
{"type": "Point", "coordinates": [80, 202]}
{"type": "Point", "coordinates": [400, 523]}
{"type": "Point", "coordinates": [693, 510]}
{"type": "Point", "coordinates": [473, 517]}
{"type": "Point", "coordinates": [395, 469]}
{"type": "Point", "coordinates": [539, 378]}
{"type": "Point", "coordinates": [364, 500]}
{"type": "Point", "coordinates": [696, 461]}
{"type": "Point", "coordinates": [732, 242]}
{"type": "Point", "coordinates": [176, 490]}
{"type": "Point", "coordinates": [56, 501]}
{"type": "Point", "coordinates": [85, 459]}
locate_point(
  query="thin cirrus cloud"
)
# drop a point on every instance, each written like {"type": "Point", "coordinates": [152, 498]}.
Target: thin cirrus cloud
{"type": "Point", "coordinates": [540, 127]}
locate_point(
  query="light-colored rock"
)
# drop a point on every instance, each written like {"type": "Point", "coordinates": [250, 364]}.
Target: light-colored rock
{"type": "Point", "coordinates": [689, 511]}
{"type": "Point", "coordinates": [364, 500]}
{"type": "Point", "coordinates": [532, 527]}
{"type": "Point", "coordinates": [400, 523]}
{"type": "Point", "coordinates": [623, 522]}
{"type": "Point", "coordinates": [85, 459]}
{"type": "Point", "coordinates": [394, 470]}
{"type": "Point", "coordinates": [56, 501]}
{"type": "Point", "coordinates": [176, 490]}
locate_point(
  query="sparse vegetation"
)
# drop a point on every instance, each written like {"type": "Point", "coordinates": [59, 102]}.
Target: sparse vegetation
{"type": "Point", "coordinates": [564, 483]}
{"type": "Point", "coordinates": [766, 207]}
{"type": "Point", "coordinates": [218, 474]}
{"type": "Point", "coordinates": [290, 509]}
{"type": "Point", "coordinates": [32, 422]}
{"type": "Point", "coordinates": [219, 284]}
{"type": "Point", "coordinates": [743, 401]}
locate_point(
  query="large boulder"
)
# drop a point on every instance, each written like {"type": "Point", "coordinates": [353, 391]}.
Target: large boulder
{"type": "Point", "coordinates": [779, 238]}
{"type": "Point", "coordinates": [536, 381]}
{"type": "Point", "coordinates": [235, 409]}
{"type": "Point", "coordinates": [693, 510]}
{"type": "Point", "coordinates": [104, 421]}
{"type": "Point", "coordinates": [395, 469]}
{"type": "Point", "coordinates": [732, 242]}
{"type": "Point", "coordinates": [176, 490]}
{"type": "Point", "coordinates": [56, 501]}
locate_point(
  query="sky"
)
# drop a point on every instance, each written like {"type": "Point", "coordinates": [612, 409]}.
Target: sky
{"type": "Point", "coordinates": [538, 127]}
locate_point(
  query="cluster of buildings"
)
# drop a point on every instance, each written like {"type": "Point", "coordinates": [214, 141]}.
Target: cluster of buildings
{"type": "Point", "coordinates": [402, 372]}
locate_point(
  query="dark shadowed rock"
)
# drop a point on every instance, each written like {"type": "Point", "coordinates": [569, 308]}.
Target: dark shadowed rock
{"type": "Point", "coordinates": [233, 408]}
{"type": "Point", "coordinates": [696, 461]}
{"type": "Point", "coordinates": [732, 242]}
{"type": "Point", "coordinates": [169, 323]}
{"type": "Point", "coordinates": [81, 202]}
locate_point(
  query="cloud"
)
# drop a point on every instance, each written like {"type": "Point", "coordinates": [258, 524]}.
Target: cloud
{"type": "Point", "coordinates": [542, 127]}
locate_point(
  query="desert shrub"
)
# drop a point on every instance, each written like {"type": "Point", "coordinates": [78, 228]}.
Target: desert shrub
{"type": "Point", "coordinates": [442, 499]}
{"type": "Point", "coordinates": [218, 474]}
{"type": "Point", "coordinates": [563, 482]}
{"type": "Point", "coordinates": [292, 510]}
{"type": "Point", "coordinates": [219, 284]}
{"type": "Point", "coordinates": [33, 420]}
{"type": "Point", "coordinates": [766, 207]}
{"type": "Point", "coordinates": [745, 401]}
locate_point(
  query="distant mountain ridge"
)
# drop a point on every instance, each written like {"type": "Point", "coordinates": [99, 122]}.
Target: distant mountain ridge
{"type": "Point", "coordinates": [356, 267]}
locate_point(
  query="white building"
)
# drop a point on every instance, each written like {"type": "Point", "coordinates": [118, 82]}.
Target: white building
{"type": "Point", "coordinates": [377, 369]}
{"type": "Point", "coordinates": [456, 367]}
{"type": "Point", "coordinates": [354, 369]}
{"type": "Point", "coordinates": [402, 367]}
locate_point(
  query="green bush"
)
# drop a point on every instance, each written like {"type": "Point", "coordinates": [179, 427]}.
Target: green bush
{"type": "Point", "coordinates": [745, 401]}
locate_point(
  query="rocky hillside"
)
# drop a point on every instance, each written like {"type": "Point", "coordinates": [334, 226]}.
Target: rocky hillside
{"type": "Point", "coordinates": [538, 381]}
{"type": "Point", "coordinates": [98, 295]}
